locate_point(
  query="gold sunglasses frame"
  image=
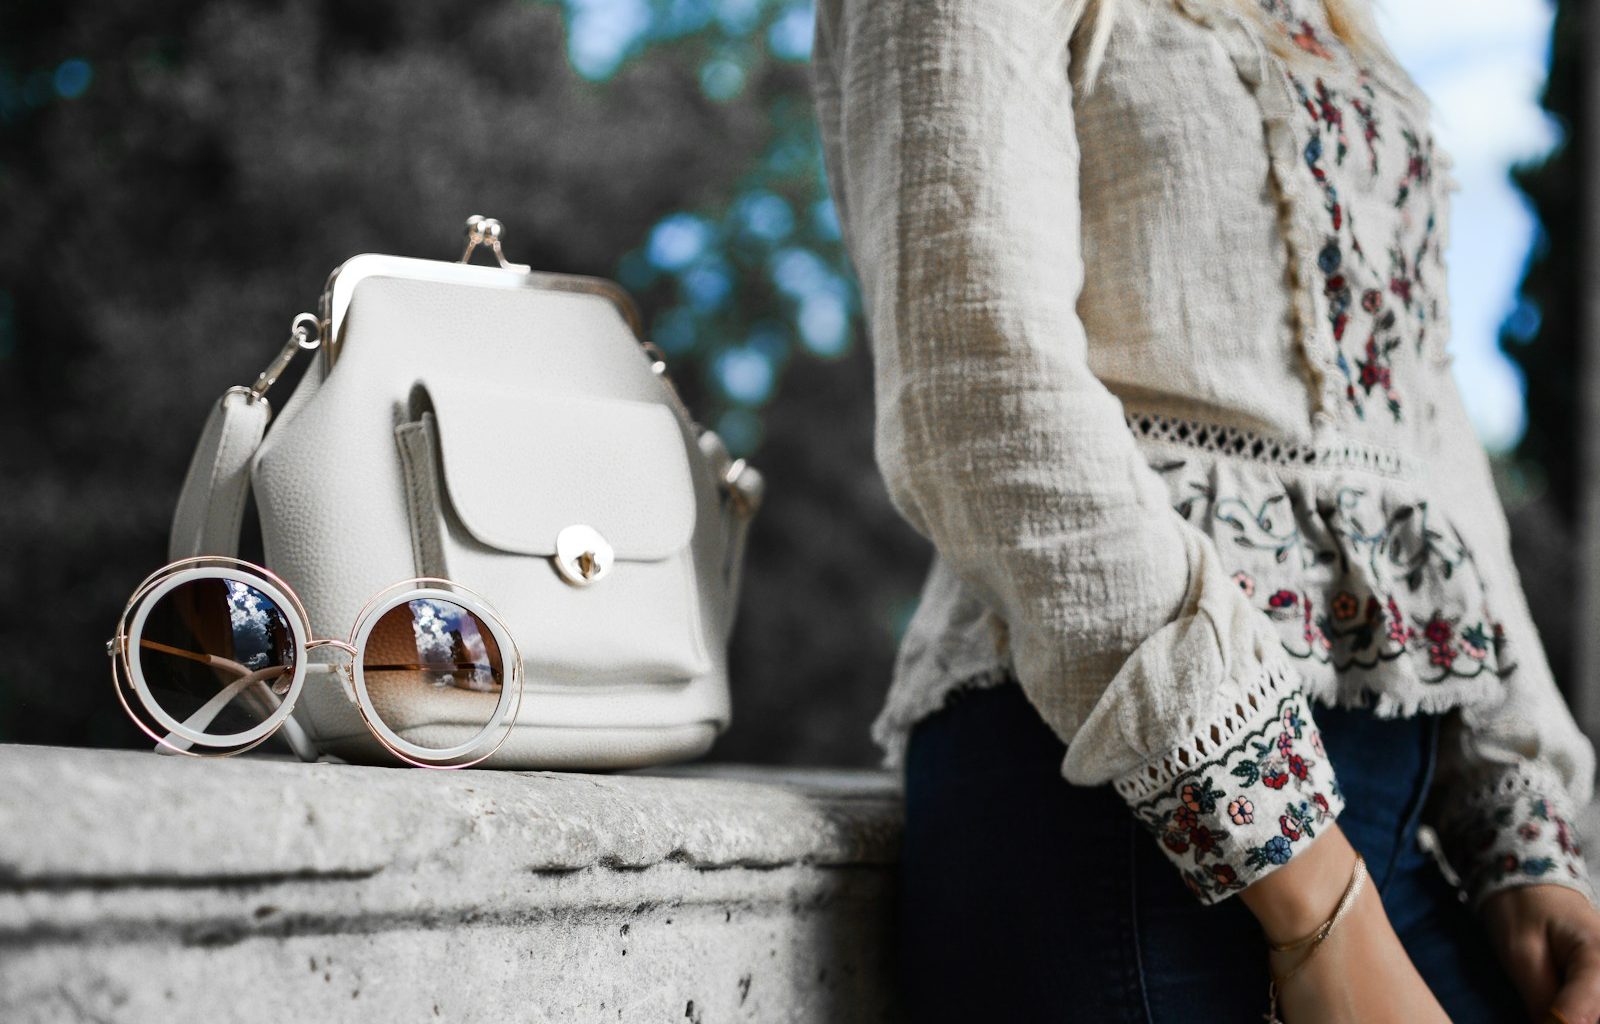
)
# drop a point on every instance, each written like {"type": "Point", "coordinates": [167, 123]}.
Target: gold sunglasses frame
{"type": "Point", "coordinates": [123, 673]}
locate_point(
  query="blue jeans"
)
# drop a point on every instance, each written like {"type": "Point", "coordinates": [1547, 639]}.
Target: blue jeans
{"type": "Point", "coordinates": [1025, 898]}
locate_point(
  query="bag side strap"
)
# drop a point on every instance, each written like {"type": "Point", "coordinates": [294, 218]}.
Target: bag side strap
{"type": "Point", "coordinates": [210, 508]}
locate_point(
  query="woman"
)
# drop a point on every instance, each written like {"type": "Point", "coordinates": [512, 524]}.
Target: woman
{"type": "Point", "coordinates": [1223, 593]}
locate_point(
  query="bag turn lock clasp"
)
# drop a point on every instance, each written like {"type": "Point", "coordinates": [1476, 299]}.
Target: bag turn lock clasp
{"type": "Point", "coordinates": [582, 556]}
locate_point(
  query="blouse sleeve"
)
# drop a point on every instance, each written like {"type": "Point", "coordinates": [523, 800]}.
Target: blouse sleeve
{"type": "Point", "coordinates": [1510, 777]}
{"type": "Point", "coordinates": [952, 156]}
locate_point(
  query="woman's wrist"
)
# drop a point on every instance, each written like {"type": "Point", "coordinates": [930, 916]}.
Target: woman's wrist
{"type": "Point", "coordinates": [1297, 897]}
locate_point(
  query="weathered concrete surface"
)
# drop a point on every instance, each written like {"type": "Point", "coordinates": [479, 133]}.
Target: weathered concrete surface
{"type": "Point", "coordinates": [142, 888]}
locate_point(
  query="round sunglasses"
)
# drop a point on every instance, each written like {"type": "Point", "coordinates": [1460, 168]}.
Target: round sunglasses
{"type": "Point", "coordinates": [212, 654]}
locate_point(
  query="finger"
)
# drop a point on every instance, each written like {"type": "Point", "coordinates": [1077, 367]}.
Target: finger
{"type": "Point", "coordinates": [1578, 1000]}
{"type": "Point", "coordinates": [1528, 960]}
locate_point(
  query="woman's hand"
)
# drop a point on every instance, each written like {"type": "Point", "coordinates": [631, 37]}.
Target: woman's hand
{"type": "Point", "coordinates": [1548, 938]}
{"type": "Point", "coordinates": [1360, 974]}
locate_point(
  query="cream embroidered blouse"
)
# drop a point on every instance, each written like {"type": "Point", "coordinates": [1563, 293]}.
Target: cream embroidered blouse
{"type": "Point", "coordinates": [1162, 370]}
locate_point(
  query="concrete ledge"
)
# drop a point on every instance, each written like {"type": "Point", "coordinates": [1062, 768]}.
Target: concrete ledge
{"type": "Point", "coordinates": [142, 888]}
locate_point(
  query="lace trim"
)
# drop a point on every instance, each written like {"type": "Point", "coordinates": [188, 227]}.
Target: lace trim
{"type": "Point", "coordinates": [1524, 780]}
{"type": "Point", "coordinates": [1258, 704]}
{"type": "Point", "coordinates": [1249, 444]}
{"type": "Point", "coordinates": [1245, 810]}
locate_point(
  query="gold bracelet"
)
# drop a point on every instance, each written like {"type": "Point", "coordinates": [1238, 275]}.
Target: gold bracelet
{"type": "Point", "coordinates": [1358, 875]}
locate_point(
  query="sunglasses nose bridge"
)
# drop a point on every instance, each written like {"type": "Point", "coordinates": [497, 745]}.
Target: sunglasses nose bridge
{"type": "Point", "coordinates": [338, 645]}
{"type": "Point", "coordinates": [346, 675]}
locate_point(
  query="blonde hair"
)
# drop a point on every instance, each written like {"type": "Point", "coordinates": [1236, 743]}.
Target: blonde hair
{"type": "Point", "coordinates": [1351, 21]}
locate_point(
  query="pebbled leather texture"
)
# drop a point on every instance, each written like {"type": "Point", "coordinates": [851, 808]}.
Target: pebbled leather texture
{"type": "Point", "coordinates": [517, 470]}
{"type": "Point", "coordinates": [502, 505]}
{"type": "Point", "coordinates": [544, 409]}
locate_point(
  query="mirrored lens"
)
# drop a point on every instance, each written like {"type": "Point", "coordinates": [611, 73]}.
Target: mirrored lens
{"type": "Point", "coordinates": [217, 658]}
{"type": "Point", "coordinates": [435, 676]}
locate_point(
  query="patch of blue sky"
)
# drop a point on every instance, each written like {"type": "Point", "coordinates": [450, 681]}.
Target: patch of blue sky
{"type": "Point", "coordinates": [824, 323]}
{"type": "Point", "coordinates": [601, 34]}
{"type": "Point", "coordinates": [745, 374]}
{"type": "Point", "coordinates": [825, 219]}
{"type": "Point", "coordinates": [799, 272]}
{"type": "Point", "coordinates": [707, 285]}
{"type": "Point", "coordinates": [764, 215]}
{"type": "Point", "coordinates": [789, 37]}
{"type": "Point", "coordinates": [681, 17]}
{"type": "Point", "coordinates": [739, 17]}
{"type": "Point", "coordinates": [678, 240]}
{"type": "Point", "coordinates": [1483, 64]}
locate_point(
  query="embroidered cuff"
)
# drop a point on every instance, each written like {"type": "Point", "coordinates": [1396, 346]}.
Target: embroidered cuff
{"type": "Point", "coordinates": [1227, 817]}
{"type": "Point", "coordinates": [1515, 829]}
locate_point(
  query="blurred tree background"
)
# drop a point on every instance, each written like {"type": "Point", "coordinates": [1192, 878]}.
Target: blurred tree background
{"type": "Point", "coordinates": [1544, 336]}
{"type": "Point", "coordinates": [177, 178]}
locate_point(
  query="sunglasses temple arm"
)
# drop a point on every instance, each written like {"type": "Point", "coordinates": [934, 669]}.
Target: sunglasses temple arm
{"type": "Point", "coordinates": [207, 713]}
{"type": "Point", "coordinates": [297, 738]}
{"type": "Point", "coordinates": [214, 660]}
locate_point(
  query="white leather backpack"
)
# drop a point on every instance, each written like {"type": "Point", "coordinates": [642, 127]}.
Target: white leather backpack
{"type": "Point", "coordinates": [511, 431]}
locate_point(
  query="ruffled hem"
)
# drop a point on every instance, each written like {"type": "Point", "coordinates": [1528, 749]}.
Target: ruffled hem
{"type": "Point", "coordinates": [908, 705]}
{"type": "Point", "coordinates": [1373, 591]}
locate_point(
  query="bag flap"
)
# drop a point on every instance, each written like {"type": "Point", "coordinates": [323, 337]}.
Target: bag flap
{"type": "Point", "coordinates": [519, 465]}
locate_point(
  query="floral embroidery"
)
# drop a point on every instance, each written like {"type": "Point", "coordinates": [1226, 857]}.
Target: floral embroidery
{"type": "Point", "coordinates": [1369, 124]}
{"type": "Point", "coordinates": [1375, 370]}
{"type": "Point", "coordinates": [1380, 565]}
{"type": "Point", "coordinates": [1244, 811]}
{"type": "Point", "coordinates": [1452, 649]}
{"type": "Point", "coordinates": [1362, 300]}
{"type": "Point", "coordinates": [1301, 32]}
{"type": "Point", "coordinates": [1419, 168]}
{"type": "Point", "coordinates": [1514, 835]}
